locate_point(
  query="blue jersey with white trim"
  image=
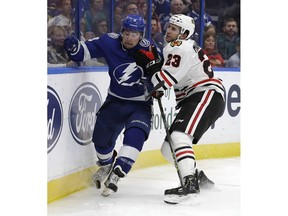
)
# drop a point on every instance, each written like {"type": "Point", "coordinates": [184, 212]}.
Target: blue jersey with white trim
{"type": "Point", "coordinates": [127, 80]}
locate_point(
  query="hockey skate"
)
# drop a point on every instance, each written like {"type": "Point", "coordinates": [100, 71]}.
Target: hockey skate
{"type": "Point", "coordinates": [101, 174]}
{"type": "Point", "coordinates": [204, 182]}
{"type": "Point", "coordinates": [111, 182]}
{"type": "Point", "coordinates": [188, 194]}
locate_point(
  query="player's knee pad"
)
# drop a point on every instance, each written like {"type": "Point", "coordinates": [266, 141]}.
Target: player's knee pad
{"type": "Point", "coordinates": [179, 139]}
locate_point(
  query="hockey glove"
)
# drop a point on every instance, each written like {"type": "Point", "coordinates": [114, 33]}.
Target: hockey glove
{"type": "Point", "coordinates": [71, 44]}
{"type": "Point", "coordinates": [157, 94]}
{"type": "Point", "coordinates": [150, 61]}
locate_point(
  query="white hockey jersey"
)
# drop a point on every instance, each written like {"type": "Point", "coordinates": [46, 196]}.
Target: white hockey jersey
{"type": "Point", "coordinates": [187, 69]}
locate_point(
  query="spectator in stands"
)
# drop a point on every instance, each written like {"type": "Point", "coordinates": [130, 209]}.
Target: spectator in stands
{"type": "Point", "coordinates": [100, 27]}
{"type": "Point", "coordinates": [96, 12]}
{"type": "Point", "coordinates": [121, 11]}
{"type": "Point", "coordinates": [52, 9]}
{"type": "Point", "coordinates": [209, 48]}
{"type": "Point", "coordinates": [162, 9]}
{"type": "Point", "coordinates": [123, 3]}
{"type": "Point", "coordinates": [64, 18]}
{"type": "Point", "coordinates": [176, 7]}
{"type": "Point", "coordinates": [210, 28]}
{"type": "Point", "coordinates": [234, 60]}
{"type": "Point", "coordinates": [82, 29]}
{"type": "Point", "coordinates": [156, 34]}
{"type": "Point", "coordinates": [118, 12]}
{"type": "Point", "coordinates": [85, 35]}
{"type": "Point", "coordinates": [133, 1]}
{"type": "Point", "coordinates": [232, 10]}
{"type": "Point", "coordinates": [144, 10]}
{"type": "Point", "coordinates": [56, 55]}
{"type": "Point", "coordinates": [89, 35]}
{"type": "Point", "coordinates": [195, 15]}
{"type": "Point", "coordinates": [131, 8]}
{"type": "Point", "coordinates": [187, 7]}
{"type": "Point", "coordinates": [227, 41]}
{"type": "Point", "coordinates": [141, 2]}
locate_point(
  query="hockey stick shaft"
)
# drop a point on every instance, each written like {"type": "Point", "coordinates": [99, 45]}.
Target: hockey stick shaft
{"type": "Point", "coordinates": [159, 85]}
{"type": "Point", "coordinates": [170, 140]}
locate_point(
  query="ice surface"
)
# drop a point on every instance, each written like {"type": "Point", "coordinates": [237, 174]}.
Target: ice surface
{"type": "Point", "coordinates": [141, 194]}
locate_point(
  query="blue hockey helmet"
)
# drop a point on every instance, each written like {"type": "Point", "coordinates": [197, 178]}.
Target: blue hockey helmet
{"type": "Point", "coordinates": [133, 22]}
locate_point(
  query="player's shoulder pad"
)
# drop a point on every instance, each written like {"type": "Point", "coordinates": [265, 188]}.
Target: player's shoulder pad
{"type": "Point", "coordinates": [113, 35]}
{"type": "Point", "coordinates": [144, 42]}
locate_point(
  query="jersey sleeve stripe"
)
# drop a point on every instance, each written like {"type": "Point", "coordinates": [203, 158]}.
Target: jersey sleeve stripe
{"type": "Point", "coordinates": [166, 79]}
{"type": "Point", "coordinates": [159, 81]}
{"type": "Point", "coordinates": [210, 81]}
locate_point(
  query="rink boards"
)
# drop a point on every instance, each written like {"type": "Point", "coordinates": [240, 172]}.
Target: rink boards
{"type": "Point", "coordinates": [73, 98]}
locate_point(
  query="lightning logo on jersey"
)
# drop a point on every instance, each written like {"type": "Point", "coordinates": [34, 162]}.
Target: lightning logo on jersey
{"type": "Point", "coordinates": [128, 74]}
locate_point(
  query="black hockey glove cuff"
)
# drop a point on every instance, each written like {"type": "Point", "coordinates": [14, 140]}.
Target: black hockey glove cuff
{"type": "Point", "coordinates": [150, 61]}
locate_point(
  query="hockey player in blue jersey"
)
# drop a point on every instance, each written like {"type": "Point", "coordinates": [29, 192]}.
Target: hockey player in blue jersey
{"type": "Point", "coordinates": [126, 106]}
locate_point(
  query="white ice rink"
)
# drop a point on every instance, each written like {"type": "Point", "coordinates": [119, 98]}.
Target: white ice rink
{"type": "Point", "coordinates": [141, 194]}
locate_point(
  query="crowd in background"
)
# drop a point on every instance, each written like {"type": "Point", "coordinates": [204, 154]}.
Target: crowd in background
{"type": "Point", "coordinates": [221, 34]}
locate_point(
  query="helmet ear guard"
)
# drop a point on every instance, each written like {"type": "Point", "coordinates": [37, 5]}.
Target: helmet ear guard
{"type": "Point", "coordinates": [186, 24]}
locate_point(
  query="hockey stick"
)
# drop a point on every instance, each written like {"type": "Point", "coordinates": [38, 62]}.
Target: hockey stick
{"type": "Point", "coordinates": [170, 141]}
{"type": "Point", "coordinates": [159, 85]}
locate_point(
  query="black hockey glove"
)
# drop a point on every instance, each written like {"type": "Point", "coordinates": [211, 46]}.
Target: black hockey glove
{"type": "Point", "coordinates": [150, 61]}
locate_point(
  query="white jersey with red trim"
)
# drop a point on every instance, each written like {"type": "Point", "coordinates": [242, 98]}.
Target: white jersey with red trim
{"type": "Point", "coordinates": [187, 69]}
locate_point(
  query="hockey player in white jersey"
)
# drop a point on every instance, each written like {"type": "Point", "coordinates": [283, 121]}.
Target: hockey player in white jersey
{"type": "Point", "coordinates": [199, 97]}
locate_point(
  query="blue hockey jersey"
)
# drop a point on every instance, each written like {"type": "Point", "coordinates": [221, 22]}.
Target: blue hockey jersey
{"type": "Point", "coordinates": [127, 80]}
